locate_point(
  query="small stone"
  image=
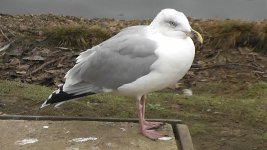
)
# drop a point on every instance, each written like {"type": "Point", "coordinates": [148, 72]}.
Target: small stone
{"type": "Point", "coordinates": [165, 138]}
{"type": "Point", "coordinates": [123, 129]}
{"type": "Point", "coordinates": [187, 92]}
{"type": "Point", "coordinates": [45, 127]}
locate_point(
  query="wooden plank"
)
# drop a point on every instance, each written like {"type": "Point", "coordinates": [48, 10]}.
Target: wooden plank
{"type": "Point", "coordinates": [184, 137]}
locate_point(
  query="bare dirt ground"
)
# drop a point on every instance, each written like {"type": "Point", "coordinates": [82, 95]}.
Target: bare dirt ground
{"type": "Point", "coordinates": [32, 58]}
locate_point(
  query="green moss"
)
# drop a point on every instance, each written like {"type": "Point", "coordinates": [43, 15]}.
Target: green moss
{"type": "Point", "coordinates": [264, 136]}
{"type": "Point", "coordinates": [197, 129]}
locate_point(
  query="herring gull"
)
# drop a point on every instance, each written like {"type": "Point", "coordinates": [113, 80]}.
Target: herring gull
{"type": "Point", "coordinates": [134, 62]}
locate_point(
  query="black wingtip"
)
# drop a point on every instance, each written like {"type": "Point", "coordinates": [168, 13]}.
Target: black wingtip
{"type": "Point", "coordinates": [60, 96]}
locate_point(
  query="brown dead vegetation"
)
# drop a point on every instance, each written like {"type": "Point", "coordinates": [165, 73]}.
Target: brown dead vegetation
{"type": "Point", "coordinates": [43, 47]}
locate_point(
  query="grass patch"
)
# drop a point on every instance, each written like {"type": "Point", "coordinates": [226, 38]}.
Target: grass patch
{"type": "Point", "coordinates": [80, 36]}
{"type": "Point", "coordinates": [27, 91]}
{"type": "Point", "coordinates": [157, 107]}
{"type": "Point", "coordinates": [211, 114]}
{"type": "Point", "coordinates": [210, 101]}
{"type": "Point", "coordinates": [197, 129]}
{"type": "Point", "coordinates": [258, 90]}
{"type": "Point", "coordinates": [264, 136]}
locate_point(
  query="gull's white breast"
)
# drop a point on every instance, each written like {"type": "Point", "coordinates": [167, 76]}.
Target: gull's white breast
{"type": "Point", "coordinates": [175, 57]}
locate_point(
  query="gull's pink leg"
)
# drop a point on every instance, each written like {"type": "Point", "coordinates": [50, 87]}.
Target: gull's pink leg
{"type": "Point", "coordinates": [152, 134]}
{"type": "Point", "coordinates": [148, 125]}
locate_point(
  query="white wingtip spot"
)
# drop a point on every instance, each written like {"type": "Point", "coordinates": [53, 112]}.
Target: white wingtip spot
{"type": "Point", "coordinates": [44, 104]}
{"type": "Point", "coordinates": [59, 85]}
{"type": "Point", "coordinates": [58, 104]}
{"type": "Point", "coordinates": [49, 96]}
{"type": "Point", "coordinates": [57, 91]}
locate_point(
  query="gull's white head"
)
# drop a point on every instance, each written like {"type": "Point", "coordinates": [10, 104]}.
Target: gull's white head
{"type": "Point", "coordinates": [173, 23]}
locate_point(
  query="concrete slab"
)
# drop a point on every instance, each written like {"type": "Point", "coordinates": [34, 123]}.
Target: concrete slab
{"type": "Point", "coordinates": [78, 135]}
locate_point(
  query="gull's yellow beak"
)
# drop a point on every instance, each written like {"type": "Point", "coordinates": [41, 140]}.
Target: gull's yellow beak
{"type": "Point", "coordinates": [198, 35]}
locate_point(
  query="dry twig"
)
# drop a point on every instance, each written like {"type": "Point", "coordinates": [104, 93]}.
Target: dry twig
{"type": "Point", "coordinates": [4, 35]}
{"type": "Point", "coordinates": [5, 47]}
{"type": "Point", "coordinates": [43, 65]}
{"type": "Point", "coordinates": [213, 58]}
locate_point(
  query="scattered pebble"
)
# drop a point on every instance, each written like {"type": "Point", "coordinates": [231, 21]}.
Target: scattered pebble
{"type": "Point", "coordinates": [165, 138]}
{"type": "Point", "coordinates": [26, 141]}
{"type": "Point", "coordinates": [109, 144]}
{"type": "Point", "coordinates": [110, 124]}
{"type": "Point", "coordinates": [45, 127]}
{"type": "Point", "coordinates": [187, 92]}
{"type": "Point", "coordinates": [95, 148]}
{"type": "Point", "coordinates": [72, 148]}
{"type": "Point", "coordinates": [123, 129]}
{"type": "Point", "coordinates": [83, 139]}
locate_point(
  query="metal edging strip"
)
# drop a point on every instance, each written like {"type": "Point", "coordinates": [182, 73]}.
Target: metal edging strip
{"type": "Point", "coordinates": [65, 118]}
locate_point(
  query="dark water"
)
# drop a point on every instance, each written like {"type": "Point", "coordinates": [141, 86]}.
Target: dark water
{"type": "Point", "coordinates": [139, 9]}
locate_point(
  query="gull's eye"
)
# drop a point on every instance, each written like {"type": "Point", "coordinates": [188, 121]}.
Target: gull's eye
{"type": "Point", "coordinates": [172, 23]}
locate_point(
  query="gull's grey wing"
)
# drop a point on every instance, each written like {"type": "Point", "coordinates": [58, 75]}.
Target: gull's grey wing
{"type": "Point", "coordinates": [117, 61]}
{"type": "Point", "coordinates": [133, 30]}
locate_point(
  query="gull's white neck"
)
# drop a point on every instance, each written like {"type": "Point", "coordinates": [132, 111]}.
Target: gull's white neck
{"type": "Point", "coordinates": [156, 29]}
